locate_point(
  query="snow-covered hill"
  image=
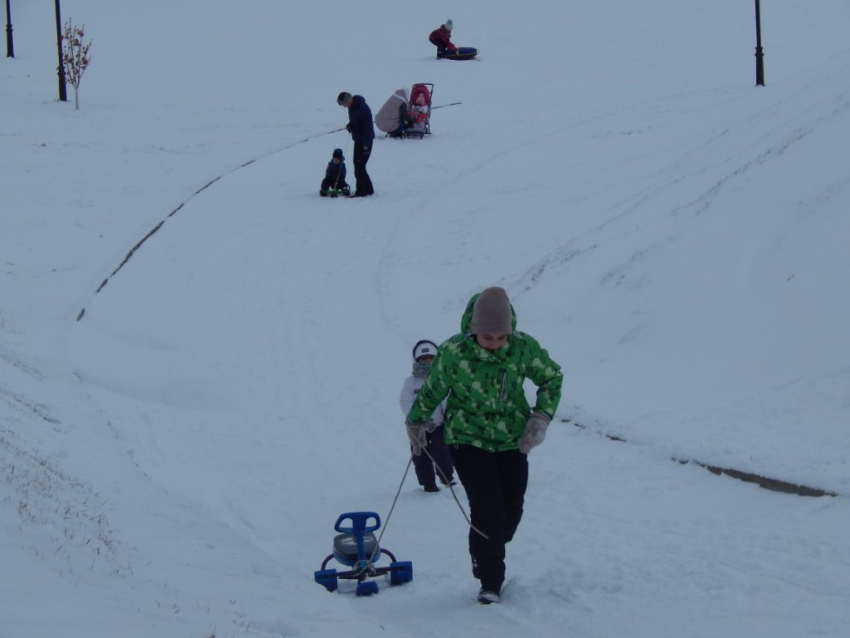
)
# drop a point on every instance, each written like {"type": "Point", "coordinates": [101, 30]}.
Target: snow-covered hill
{"type": "Point", "coordinates": [180, 429]}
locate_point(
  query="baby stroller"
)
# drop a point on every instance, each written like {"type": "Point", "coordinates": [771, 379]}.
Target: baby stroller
{"type": "Point", "coordinates": [419, 108]}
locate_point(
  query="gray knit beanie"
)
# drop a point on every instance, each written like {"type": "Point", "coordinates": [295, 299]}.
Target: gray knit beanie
{"type": "Point", "coordinates": [491, 313]}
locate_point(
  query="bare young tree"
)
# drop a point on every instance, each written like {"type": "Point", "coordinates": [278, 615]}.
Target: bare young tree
{"type": "Point", "coordinates": [75, 57]}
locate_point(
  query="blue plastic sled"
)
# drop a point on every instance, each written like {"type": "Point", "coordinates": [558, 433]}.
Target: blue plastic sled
{"type": "Point", "coordinates": [462, 53]}
{"type": "Point", "coordinates": [356, 547]}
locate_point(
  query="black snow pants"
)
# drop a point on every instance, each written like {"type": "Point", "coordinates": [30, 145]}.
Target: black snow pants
{"type": "Point", "coordinates": [363, 183]}
{"type": "Point", "coordinates": [495, 484]}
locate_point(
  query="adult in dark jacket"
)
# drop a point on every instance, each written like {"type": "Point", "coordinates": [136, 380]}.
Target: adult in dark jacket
{"type": "Point", "coordinates": [363, 134]}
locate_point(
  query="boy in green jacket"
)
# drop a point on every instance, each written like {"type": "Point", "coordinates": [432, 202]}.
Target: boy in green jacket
{"type": "Point", "coordinates": [489, 425]}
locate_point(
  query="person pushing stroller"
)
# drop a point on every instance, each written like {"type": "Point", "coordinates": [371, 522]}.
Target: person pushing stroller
{"type": "Point", "coordinates": [334, 182]}
{"type": "Point", "coordinates": [393, 118]}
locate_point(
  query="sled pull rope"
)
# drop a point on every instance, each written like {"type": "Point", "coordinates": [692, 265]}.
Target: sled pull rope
{"type": "Point", "coordinates": [447, 482]}
{"type": "Point", "coordinates": [387, 519]}
{"type": "Point", "coordinates": [398, 492]}
{"type": "Point", "coordinates": [392, 507]}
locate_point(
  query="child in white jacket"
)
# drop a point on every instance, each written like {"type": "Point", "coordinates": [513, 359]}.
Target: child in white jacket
{"type": "Point", "coordinates": [423, 355]}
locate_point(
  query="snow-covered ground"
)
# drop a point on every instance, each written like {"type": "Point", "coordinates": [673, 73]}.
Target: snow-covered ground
{"type": "Point", "coordinates": [180, 430]}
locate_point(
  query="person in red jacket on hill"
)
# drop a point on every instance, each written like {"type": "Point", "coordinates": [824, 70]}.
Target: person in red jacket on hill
{"type": "Point", "coordinates": [442, 39]}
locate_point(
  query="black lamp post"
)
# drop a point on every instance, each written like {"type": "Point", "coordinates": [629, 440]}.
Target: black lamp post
{"type": "Point", "coordinates": [759, 53]}
{"type": "Point", "coordinates": [10, 45]}
{"type": "Point", "coordinates": [63, 95]}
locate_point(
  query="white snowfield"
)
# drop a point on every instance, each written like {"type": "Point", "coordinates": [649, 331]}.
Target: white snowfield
{"type": "Point", "coordinates": [176, 445]}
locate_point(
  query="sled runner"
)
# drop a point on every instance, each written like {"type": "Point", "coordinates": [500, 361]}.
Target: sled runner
{"type": "Point", "coordinates": [461, 53]}
{"type": "Point", "coordinates": [419, 109]}
{"type": "Point", "coordinates": [357, 547]}
{"type": "Point", "coordinates": [336, 192]}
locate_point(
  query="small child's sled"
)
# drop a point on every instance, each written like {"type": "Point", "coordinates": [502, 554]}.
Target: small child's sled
{"type": "Point", "coordinates": [336, 192]}
{"type": "Point", "coordinates": [461, 53]}
{"type": "Point", "coordinates": [356, 547]}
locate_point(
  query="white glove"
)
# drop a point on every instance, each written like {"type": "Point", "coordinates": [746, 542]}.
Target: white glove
{"type": "Point", "coordinates": [535, 432]}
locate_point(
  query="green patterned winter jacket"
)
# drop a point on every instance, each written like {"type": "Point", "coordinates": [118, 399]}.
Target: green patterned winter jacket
{"type": "Point", "coordinates": [486, 404]}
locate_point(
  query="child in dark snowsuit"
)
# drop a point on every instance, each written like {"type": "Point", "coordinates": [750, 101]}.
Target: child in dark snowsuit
{"type": "Point", "coordinates": [335, 175]}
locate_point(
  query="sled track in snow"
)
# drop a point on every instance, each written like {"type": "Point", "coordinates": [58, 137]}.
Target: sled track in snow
{"type": "Point", "coordinates": [205, 187]}
{"type": "Point", "coordinates": [152, 232]}
{"type": "Point", "coordinates": [774, 485]}
{"type": "Point", "coordinates": [762, 481]}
